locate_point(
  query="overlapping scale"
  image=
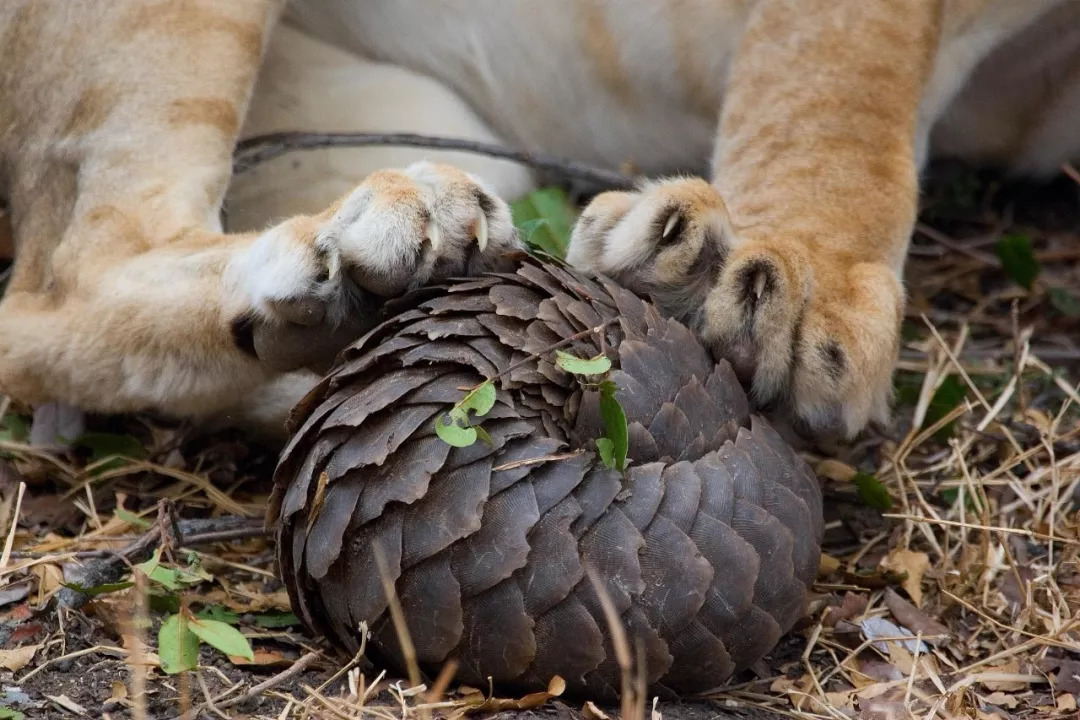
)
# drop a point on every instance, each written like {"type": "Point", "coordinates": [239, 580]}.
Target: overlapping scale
{"type": "Point", "coordinates": [706, 545]}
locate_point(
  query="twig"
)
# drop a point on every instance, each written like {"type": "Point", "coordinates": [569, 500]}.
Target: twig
{"type": "Point", "coordinates": [261, 148]}
{"type": "Point", "coordinates": [188, 532]}
{"type": "Point", "coordinates": [554, 346]}
{"type": "Point", "coordinates": [285, 675]}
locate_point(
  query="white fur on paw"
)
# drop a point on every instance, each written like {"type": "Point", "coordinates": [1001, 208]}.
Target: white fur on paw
{"type": "Point", "coordinates": [395, 231]}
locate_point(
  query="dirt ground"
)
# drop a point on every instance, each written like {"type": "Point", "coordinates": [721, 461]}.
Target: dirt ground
{"type": "Point", "coordinates": [957, 523]}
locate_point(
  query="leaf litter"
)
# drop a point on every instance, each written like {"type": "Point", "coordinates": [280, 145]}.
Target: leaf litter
{"type": "Point", "coordinates": [949, 584]}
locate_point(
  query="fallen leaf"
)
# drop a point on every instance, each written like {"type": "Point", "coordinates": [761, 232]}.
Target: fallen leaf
{"type": "Point", "coordinates": [915, 619]}
{"type": "Point", "coordinates": [835, 470]}
{"type": "Point", "coordinates": [1068, 673]}
{"type": "Point", "coordinates": [591, 712]}
{"type": "Point", "coordinates": [876, 627]}
{"type": "Point", "coordinates": [119, 696]}
{"type": "Point", "coordinates": [556, 687]}
{"type": "Point", "coordinates": [1001, 677]}
{"type": "Point", "coordinates": [853, 605]}
{"type": "Point", "coordinates": [914, 564]}
{"type": "Point", "coordinates": [828, 565]}
{"type": "Point", "coordinates": [263, 658]}
{"type": "Point", "coordinates": [1003, 700]}
{"type": "Point", "coordinates": [67, 704]}
{"type": "Point", "coordinates": [14, 594]}
{"type": "Point", "coordinates": [1066, 702]}
{"type": "Point", "coordinates": [18, 658]}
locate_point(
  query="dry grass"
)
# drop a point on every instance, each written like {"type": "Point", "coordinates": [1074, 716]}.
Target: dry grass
{"type": "Point", "coordinates": [960, 601]}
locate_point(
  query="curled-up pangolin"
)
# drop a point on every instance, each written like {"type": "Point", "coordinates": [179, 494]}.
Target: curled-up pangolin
{"type": "Point", "coordinates": [705, 545]}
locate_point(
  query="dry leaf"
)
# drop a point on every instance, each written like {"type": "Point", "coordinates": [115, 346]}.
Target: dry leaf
{"type": "Point", "coordinates": [1066, 702]}
{"type": "Point", "coordinates": [835, 470]}
{"type": "Point", "coordinates": [1003, 700]}
{"type": "Point", "coordinates": [254, 603]}
{"type": "Point", "coordinates": [119, 696]}
{"type": "Point", "coordinates": [914, 564]}
{"type": "Point", "coordinates": [67, 704]}
{"type": "Point", "coordinates": [591, 712]}
{"type": "Point", "coordinates": [556, 687]}
{"type": "Point", "coordinates": [263, 658]}
{"type": "Point", "coordinates": [18, 658]}
{"type": "Point", "coordinates": [828, 565]}
{"type": "Point", "coordinates": [1005, 677]}
{"type": "Point", "coordinates": [915, 619]}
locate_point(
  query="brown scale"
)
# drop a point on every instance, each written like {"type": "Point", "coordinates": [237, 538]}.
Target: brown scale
{"type": "Point", "coordinates": [706, 546]}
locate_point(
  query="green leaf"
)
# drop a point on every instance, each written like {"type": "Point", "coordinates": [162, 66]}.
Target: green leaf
{"type": "Point", "coordinates": [872, 492]}
{"type": "Point", "coordinates": [14, 428]}
{"type": "Point", "coordinates": [1064, 302]}
{"type": "Point", "coordinates": [164, 603]}
{"type": "Point", "coordinates": [483, 435]}
{"type": "Point", "coordinates": [614, 424]}
{"type": "Point", "coordinates": [453, 428]}
{"type": "Point", "coordinates": [545, 220]}
{"type": "Point", "coordinates": [949, 395]}
{"type": "Point", "coordinates": [219, 613]}
{"type": "Point", "coordinates": [222, 636]}
{"type": "Point", "coordinates": [276, 620]}
{"type": "Point", "coordinates": [9, 714]}
{"type": "Point", "coordinates": [103, 589]}
{"type": "Point", "coordinates": [606, 448]}
{"type": "Point", "coordinates": [1018, 259]}
{"type": "Point", "coordinates": [178, 646]}
{"type": "Point", "coordinates": [172, 578]}
{"type": "Point", "coordinates": [118, 450]}
{"type": "Point", "coordinates": [580, 366]}
{"type": "Point", "coordinates": [480, 399]}
{"type": "Point", "coordinates": [132, 519]}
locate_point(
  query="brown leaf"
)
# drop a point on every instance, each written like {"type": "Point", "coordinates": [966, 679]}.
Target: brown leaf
{"type": "Point", "coordinates": [853, 605]}
{"type": "Point", "coordinates": [1068, 673]}
{"type": "Point", "coordinates": [835, 470]}
{"type": "Point", "coordinates": [555, 688]}
{"type": "Point", "coordinates": [17, 659]}
{"type": "Point", "coordinates": [915, 619]}
{"type": "Point", "coordinates": [591, 712]}
{"type": "Point", "coordinates": [914, 564]}
{"type": "Point", "coordinates": [263, 658]}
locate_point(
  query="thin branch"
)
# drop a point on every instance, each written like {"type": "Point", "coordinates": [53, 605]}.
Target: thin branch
{"type": "Point", "coordinates": [261, 148]}
{"type": "Point", "coordinates": [110, 568]}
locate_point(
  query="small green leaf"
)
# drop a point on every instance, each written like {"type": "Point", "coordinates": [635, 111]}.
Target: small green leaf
{"type": "Point", "coordinates": [14, 428]}
{"type": "Point", "coordinates": [483, 435]}
{"type": "Point", "coordinates": [222, 636]}
{"type": "Point", "coordinates": [9, 714]}
{"type": "Point", "coordinates": [614, 423]}
{"type": "Point", "coordinates": [276, 620]}
{"type": "Point", "coordinates": [480, 399]}
{"type": "Point", "coordinates": [116, 450]}
{"type": "Point", "coordinates": [1064, 302]}
{"type": "Point", "coordinates": [580, 366]}
{"type": "Point", "coordinates": [172, 578]}
{"type": "Point", "coordinates": [95, 590]}
{"type": "Point", "coordinates": [949, 395]}
{"type": "Point", "coordinates": [164, 603]}
{"type": "Point", "coordinates": [1018, 259]}
{"type": "Point", "coordinates": [132, 519]}
{"type": "Point", "coordinates": [453, 428]}
{"type": "Point", "coordinates": [219, 613]}
{"type": "Point", "coordinates": [606, 448]}
{"type": "Point", "coordinates": [178, 646]}
{"type": "Point", "coordinates": [545, 220]}
{"type": "Point", "coordinates": [872, 492]}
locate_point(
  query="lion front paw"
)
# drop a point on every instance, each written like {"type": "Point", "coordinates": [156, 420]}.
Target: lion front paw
{"type": "Point", "coordinates": [312, 284]}
{"type": "Point", "coordinates": [813, 334]}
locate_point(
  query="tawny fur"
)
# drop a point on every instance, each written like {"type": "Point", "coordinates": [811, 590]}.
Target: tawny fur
{"type": "Point", "coordinates": [809, 120]}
